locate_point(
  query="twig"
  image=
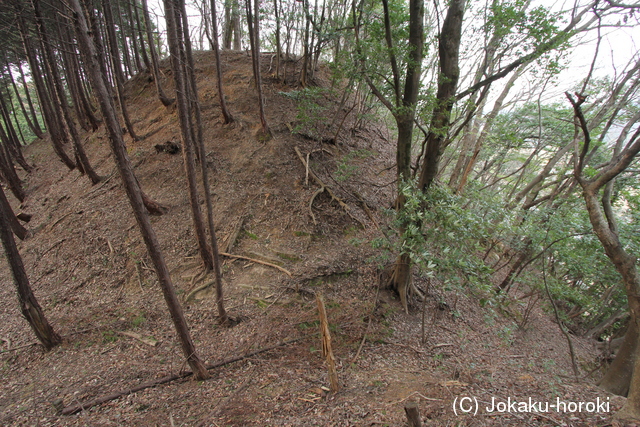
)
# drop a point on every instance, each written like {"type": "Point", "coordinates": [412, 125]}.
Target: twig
{"type": "Point", "coordinates": [413, 394]}
{"type": "Point", "coordinates": [72, 409]}
{"type": "Point", "coordinates": [364, 336]}
{"type": "Point", "coordinates": [257, 261]}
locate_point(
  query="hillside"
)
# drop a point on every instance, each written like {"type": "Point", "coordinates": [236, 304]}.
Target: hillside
{"type": "Point", "coordinates": [89, 269]}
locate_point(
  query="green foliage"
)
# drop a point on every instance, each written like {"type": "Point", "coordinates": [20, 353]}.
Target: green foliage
{"type": "Point", "coordinates": [346, 165]}
{"type": "Point", "coordinates": [312, 115]}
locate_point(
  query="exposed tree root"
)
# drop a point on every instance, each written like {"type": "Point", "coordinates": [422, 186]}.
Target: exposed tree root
{"type": "Point", "coordinates": [323, 188]}
{"type": "Point", "coordinates": [257, 261]}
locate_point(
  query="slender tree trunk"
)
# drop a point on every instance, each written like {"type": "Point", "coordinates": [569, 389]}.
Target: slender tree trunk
{"type": "Point", "coordinates": [57, 135]}
{"type": "Point", "coordinates": [276, 8]}
{"type": "Point", "coordinates": [134, 193]}
{"type": "Point", "coordinates": [178, 62]}
{"type": "Point", "coordinates": [10, 217]}
{"type": "Point", "coordinates": [304, 72]}
{"type": "Point", "coordinates": [29, 306]}
{"type": "Point", "coordinates": [37, 129]}
{"type": "Point", "coordinates": [117, 67]}
{"type": "Point", "coordinates": [253, 22]}
{"type": "Point", "coordinates": [12, 139]}
{"type": "Point", "coordinates": [143, 50]}
{"type": "Point", "coordinates": [82, 161]}
{"type": "Point", "coordinates": [134, 37]}
{"type": "Point", "coordinates": [216, 48]}
{"type": "Point", "coordinates": [488, 123]}
{"type": "Point", "coordinates": [7, 170]}
{"type": "Point", "coordinates": [402, 268]}
{"type": "Point", "coordinates": [155, 62]}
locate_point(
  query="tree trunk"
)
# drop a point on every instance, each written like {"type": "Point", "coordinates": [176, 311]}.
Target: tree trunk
{"type": "Point", "coordinates": [56, 134]}
{"type": "Point", "coordinates": [276, 8]}
{"type": "Point", "coordinates": [38, 130]}
{"type": "Point", "coordinates": [12, 140]}
{"type": "Point", "coordinates": [178, 62]}
{"type": "Point", "coordinates": [448, 48]}
{"type": "Point", "coordinates": [253, 22]}
{"type": "Point", "coordinates": [10, 217]}
{"type": "Point", "coordinates": [82, 161]}
{"type": "Point", "coordinates": [34, 128]}
{"type": "Point", "coordinates": [143, 50]}
{"type": "Point", "coordinates": [28, 303]}
{"type": "Point", "coordinates": [166, 101]}
{"type": "Point", "coordinates": [488, 123]}
{"type": "Point", "coordinates": [216, 48]}
{"type": "Point", "coordinates": [7, 171]}
{"type": "Point", "coordinates": [133, 192]}
{"type": "Point", "coordinates": [117, 67]}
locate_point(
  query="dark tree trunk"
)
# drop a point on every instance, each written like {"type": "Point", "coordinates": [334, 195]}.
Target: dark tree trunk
{"type": "Point", "coordinates": [134, 193]}
{"type": "Point", "coordinates": [449, 49]}
{"type": "Point", "coordinates": [134, 37]}
{"type": "Point", "coordinates": [7, 170]}
{"type": "Point", "coordinates": [180, 74]}
{"type": "Point", "coordinates": [253, 22]}
{"type": "Point", "coordinates": [117, 67]}
{"type": "Point", "coordinates": [216, 48]}
{"type": "Point", "coordinates": [56, 133]}
{"type": "Point", "coordinates": [82, 161]}
{"type": "Point", "coordinates": [12, 140]}
{"type": "Point", "coordinates": [166, 101]}
{"type": "Point", "coordinates": [28, 303]}
{"type": "Point", "coordinates": [143, 50]}
{"type": "Point", "coordinates": [404, 120]}
{"type": "Point", "coordinates": [10, 216]}
{"type": "Point", "coordinates": [232, 25]}
{"type": "Point", "coordinates": [37, 129]}
{"type": "Point", "coordinates": [126, 57]}
{"type": "Point", "coordinates": [276, 8]}
{"type": "Point", "coordinates": [304, 72]}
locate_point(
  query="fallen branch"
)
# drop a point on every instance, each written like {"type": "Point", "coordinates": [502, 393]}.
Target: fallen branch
{"type": "Point", "coordinates": [73, 409]}
{"type": "Point", "coordinates": [257, 261]}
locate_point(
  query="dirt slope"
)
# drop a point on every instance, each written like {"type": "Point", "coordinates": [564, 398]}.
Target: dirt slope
{"type": "Point", "coordinates": [89, 269]}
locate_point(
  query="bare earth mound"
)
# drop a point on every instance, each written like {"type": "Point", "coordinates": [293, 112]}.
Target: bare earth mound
{"type": "Point", "coordinates": [89, 269]}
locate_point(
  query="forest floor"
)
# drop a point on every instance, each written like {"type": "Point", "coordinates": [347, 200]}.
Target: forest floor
{"type": "Point", "coordinates": [90, 271]}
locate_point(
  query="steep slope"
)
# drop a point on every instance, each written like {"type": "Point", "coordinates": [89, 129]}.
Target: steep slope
{"type": "Point", "coordinates": [90, 271]}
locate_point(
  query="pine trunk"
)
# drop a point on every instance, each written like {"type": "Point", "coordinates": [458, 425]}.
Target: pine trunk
{"type": "Point", "coordinates": [134, 194]}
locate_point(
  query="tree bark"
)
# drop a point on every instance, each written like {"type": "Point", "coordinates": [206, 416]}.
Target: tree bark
{"type": "Point", "coordinates": [7, 171]}
{"type": "Point", "coordinates": [178, 62]}
{"type": "Point", "coordinates": [10, 217]}
{"type": "Point", "coordinates": [57, 136]}
{"type": "Point", "coordinates": [38, 130]}
{"type": "Point", "coordinates": [82, 161]}
{"type": "Point", "coordinates": [155, 62]}
{"type": "Point", "coordinates": [29, 306]}
{"type": "Point", "coordinates": [133, 192]}
{"type": "Point", "coordinates": [253, 21]}
{"type": "Point", "coordinates": [35, 128]}
{"type": "Point", "coordinates": [117, 67]}
{"type": "Point", "coordinates": [228, 118]}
